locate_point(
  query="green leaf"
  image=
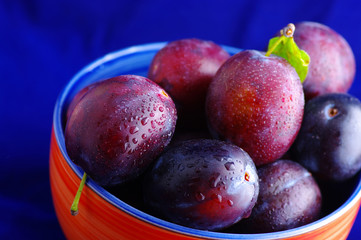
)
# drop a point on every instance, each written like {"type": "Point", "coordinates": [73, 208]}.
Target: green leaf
{"type": "Point", "coordinates": [287, 48]}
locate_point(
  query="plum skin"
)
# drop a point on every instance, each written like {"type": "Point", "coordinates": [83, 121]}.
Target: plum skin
{"type": "Point", "coordinates": [118, 127]}
{"type": "Point", "coordinates": [328, 142]}
{"type": "Point", "coordinates": [184, 68]}
{"type": "Point", "coordinates": [205, 184]}
{"type": "Point", "coordinates": [78, 96]}
{"type": "Point", "coordinates": [332, 67]}
{"type": "Point", "coordinates": [289, 197]}
{"type": "Point", "coordinates": [256, 102]}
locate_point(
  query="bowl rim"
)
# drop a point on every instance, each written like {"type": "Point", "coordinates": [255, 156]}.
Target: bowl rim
{"type": "Point", "coordinates": [107, 196]}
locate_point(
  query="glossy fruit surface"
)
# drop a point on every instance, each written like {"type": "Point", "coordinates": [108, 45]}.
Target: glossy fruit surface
{"type": "Point", "coordinates": [204, 184]}
{"type": "Point", "coordinates": [328, 143]}
{"type": "Point", "coordinates": [184, 68]}
{"type": "Point", "coordinates": [76, 99]}
{"type": "Point", "coordinates": [118, 127]}
{"type": "Point", "coordinates": [256, 102]}
{"type": "Point", "coordinates": [289, 197]}
{"type": "Point", "coordinates": [332, 67]}
{"type": "Point", "coordinates": [103, 216]}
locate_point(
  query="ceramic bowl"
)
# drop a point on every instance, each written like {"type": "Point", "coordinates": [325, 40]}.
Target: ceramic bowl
{"type": "Point", "coordinates": [104, 216]}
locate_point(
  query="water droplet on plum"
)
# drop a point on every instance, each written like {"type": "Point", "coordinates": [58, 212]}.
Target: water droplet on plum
{"type": "Point", "coordinates": [213, 182]}
{"type": "Point", "coordinates": [217, 197]}
{"type": "Point", "coordinates": [133, 129]}
{"type": "Point", "coordinates": [144, 121]}
{"type": "Point", "coordinates": [199, 196]}
{"type": "Point", "coordinates": [230, 166]}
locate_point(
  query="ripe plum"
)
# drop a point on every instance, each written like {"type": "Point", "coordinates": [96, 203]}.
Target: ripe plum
{"type": "Point", "coordinates": [328, 142]}
{"type": "Point", "coordinates": [204, 184]}
{"type": "Point", "coordinates": [332, 67]}
{"type": "Point", "coordinates": [289, 197]}
{"type": "Point", "coordinates": [118, 127]}
{"type": "Point", "coordinates": [256, 102]}
{"type": "Point", "coordinates": [184, 68]}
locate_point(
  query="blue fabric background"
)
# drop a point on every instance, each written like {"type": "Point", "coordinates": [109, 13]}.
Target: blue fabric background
{"type": "Point", "coordinates": [44, 43]}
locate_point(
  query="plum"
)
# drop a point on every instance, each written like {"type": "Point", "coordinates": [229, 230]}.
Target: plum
{"type": "Point", "coordinates": [332, 67]}
{"type": "Point", "coordinates": [78, 96]}
{"type": "Point", "coordinates": [289, 197]}
{"type": "Point", "coordinates": [118, 127]}
{"type": "Point", "coordinates": [328, 142]}
{"type": "Point", "coordinates": [184, 68]}
{"type": "Point", "coordinates": [204, 184]}
{"type": "Point", "coordinates": [256, 102]}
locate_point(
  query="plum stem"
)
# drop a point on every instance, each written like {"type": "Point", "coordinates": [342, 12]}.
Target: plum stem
{"type": "Point", "coordinates": [74, 207]}
{"type": "Point", "coordinates": [285, 32]}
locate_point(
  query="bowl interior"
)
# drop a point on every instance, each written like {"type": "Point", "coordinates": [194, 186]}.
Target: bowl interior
{"type": "Point", "coordinates": [135, 60]}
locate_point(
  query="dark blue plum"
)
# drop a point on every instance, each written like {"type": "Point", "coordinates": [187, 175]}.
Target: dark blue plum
{"type": "Point", "coordinates": [289, 197]}
{"type": "Point", "coordinates": [329, 140]}
{"type": "Point", "coordinates": [204, 184]}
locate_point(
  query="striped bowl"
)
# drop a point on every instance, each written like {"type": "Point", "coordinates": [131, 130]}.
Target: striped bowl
{"type": "Point", "coordinates": [104, 216]}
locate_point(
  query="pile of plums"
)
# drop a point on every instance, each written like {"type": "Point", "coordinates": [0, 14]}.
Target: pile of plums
{"type": "Point", "coordinates": [224, 143]}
